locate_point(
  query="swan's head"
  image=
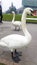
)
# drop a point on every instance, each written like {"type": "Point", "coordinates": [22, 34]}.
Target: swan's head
{"type": "Point", "coordinates": [28, 10]}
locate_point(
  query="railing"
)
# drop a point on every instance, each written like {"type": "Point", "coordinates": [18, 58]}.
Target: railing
{"type": "Point", "coordinates": [31, 18]}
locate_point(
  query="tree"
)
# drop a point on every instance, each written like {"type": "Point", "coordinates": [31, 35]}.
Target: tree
{"type": "Point", "coordinates": [11, 8]}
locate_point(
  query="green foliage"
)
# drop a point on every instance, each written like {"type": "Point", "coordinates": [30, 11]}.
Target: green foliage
{"type": "Point", "coordinates": [8, 17]}
{"type": "Point", "coordinates": [31, 21]}
{"type": "Point", "coordinates": [32, 16]}
{"type": "Point", "coordinates": [18, 17]}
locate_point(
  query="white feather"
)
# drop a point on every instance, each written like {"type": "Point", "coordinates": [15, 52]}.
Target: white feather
{"type": "Point", "coordinates": [15, 23]}
{"type": "Point", "coordinates": [15, 41]}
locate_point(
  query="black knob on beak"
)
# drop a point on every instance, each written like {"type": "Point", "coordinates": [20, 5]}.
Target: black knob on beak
{"type": "Point", "coordinates": [31, 11]}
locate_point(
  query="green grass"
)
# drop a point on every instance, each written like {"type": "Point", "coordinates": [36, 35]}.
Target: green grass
{"type": "Point", "coordinates": [32, 16]}
{"type": "Point", "coordinates": [8, 17]}
{"type": "Point", "coordinates": [2, 64]}
{"type": "Point", "coordinates": [32, 21]}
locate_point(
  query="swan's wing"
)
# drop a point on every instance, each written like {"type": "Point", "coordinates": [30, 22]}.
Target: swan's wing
{"type": "Point", "coordinates": [16, 23]}
{"type": "Point", "coordinates": [15, 40]}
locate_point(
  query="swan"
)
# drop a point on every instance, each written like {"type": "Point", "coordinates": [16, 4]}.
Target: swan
{"type": "Point", "coordinates": [15, 41]}
{"type": "Point", "coordinates": [16, 24]}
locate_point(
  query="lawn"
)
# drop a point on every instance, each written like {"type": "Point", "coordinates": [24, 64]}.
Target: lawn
{"type": "Point", "coordinates": [8, 17]}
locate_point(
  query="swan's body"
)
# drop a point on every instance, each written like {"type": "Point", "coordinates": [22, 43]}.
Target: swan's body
{"type": "Point", "coordinates": [15, 41]}
{"type": "Point", "coordinates": [16, 24]}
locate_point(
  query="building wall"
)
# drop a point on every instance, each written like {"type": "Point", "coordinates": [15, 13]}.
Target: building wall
{"type": "Point", "coordinates": [30, 3]}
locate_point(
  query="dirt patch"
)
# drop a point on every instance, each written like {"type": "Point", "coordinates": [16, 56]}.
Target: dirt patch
{"type": "Point", "coordinates": [6, 61]}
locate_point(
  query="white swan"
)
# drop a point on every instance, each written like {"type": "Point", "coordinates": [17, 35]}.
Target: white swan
{"type": "Point", "coordinates": [15, 41]}
{"type": "Point", "coordinates": [16, 24]}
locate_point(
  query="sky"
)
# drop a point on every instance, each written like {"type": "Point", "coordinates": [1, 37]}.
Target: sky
{"type": "Point", "coordinates": [7, 3]}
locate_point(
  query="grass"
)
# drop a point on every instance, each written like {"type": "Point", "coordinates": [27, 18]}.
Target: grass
{"type": "Point", "coordinates": [2, 64]}
{"type": "Point", "coordinates": [32, 21]}
{"type": "Point", "coordinates": [8, 17]}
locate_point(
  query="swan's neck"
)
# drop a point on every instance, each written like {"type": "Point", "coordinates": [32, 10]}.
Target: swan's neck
{"type": "Point", "coordinates": [24, 21]}
{"type": "Point", "coordinates": [13, 17]}
{"type": "Point", "coordinates": [24, 28]}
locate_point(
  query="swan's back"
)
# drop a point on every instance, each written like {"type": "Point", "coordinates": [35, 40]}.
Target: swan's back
{"type": "Point", "coordinates": [17, 23]}
{"type": "Point", "coordinates": [15, 40]}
